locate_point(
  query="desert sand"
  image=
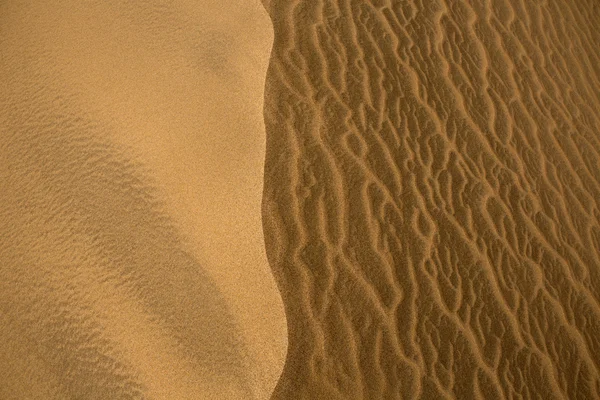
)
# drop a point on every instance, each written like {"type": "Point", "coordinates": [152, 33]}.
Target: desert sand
{"type": "Point", "coordinates": [132, 256]}
{"type": "Point", "coordinates": [432, 197]}
{"type": "Point", "coordinates": [347, 200]}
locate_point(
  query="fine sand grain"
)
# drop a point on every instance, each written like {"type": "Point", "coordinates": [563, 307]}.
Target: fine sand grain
{"type": "Point", "coordinates": [432, 197]}
{"type": "Point", "coordinates": [132, 258]}
{"type": "Point", "coordinates": [431, 201]}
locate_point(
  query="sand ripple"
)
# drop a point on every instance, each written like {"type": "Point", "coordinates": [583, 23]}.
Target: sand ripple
{"type": "Point", "coordinates": [432, 198]}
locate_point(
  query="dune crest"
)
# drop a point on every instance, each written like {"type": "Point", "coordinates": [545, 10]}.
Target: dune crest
{"type": "Point", "coordinates": [132, 260]}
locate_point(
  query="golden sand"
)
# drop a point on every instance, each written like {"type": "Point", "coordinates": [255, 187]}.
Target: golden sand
{"type": "Point", "coordinates": [431, 203]}
{"type": "Point", "coordinates": [132, 149]}
{"type": "Point", "coordinates": [432, 197]}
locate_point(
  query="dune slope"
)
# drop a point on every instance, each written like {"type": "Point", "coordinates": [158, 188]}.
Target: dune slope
{"type": "Point", "coordinates": [132, 258]}
{"type": "Point", "coordinates": [432, 197]}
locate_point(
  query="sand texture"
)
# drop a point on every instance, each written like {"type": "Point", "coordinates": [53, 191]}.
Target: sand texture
{"type": "Point", "coordinates": [132, 257]}
{"type": "Point", "coordinates": [357, 199]}
{"type": "Point", "coordinates": [432, 197]}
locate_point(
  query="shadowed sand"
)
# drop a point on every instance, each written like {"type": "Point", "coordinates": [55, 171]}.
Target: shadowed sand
{"type": "Point", "coordinates": [132, 261]}
{"type": "Point", "coordinates": [432, 197]}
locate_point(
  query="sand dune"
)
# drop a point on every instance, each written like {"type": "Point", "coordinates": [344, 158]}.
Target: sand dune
{"type": "Point", "coordinates": [430, 205]}
{"type": "Point", "coordinates": [132, 259]}
{"type": "Point", "coordinates": [432, 197]}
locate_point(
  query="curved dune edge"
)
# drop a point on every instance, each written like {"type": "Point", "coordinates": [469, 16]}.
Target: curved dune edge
{"type": "Point", "coordinates": [132, 260]}
{"type": "Point", "coordinates": [432, 197]}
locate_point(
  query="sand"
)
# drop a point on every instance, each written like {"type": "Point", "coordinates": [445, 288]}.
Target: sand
{"type": "Point", "coordinates": [432, 197]}
{"type": "Point", "coordinates": [347, 200]}
{"type": "Point", "coordinates": [132, 257]}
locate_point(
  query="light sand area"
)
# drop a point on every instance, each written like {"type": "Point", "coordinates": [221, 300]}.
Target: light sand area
{"type": "Point", "coordinates": [132, 259]}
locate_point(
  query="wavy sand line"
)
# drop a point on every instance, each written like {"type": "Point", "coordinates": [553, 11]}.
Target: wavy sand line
{"type": "Point", "coordinates": [432, 197]}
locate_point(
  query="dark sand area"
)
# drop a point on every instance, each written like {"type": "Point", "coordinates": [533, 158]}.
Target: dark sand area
{"type": "Point", "coordinates": [432, 197]}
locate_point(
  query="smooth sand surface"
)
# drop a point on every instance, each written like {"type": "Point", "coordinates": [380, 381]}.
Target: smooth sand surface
{"type": "Point", "coordinates": [132, 257]}
{"type": "Point", "coordinates": [432, 197]}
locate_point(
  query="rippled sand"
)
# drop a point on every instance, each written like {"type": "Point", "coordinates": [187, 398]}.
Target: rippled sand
{"type": "Point", "coordinates": [432, 197]}
{"type": "Point", "coordinates": [132, 258]}
{"type": "Point", "coordinates": [430, 208]}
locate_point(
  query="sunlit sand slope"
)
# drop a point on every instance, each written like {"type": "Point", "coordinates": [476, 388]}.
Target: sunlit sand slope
{"type": "Point", "coordinates": [132, 258]}
{"type": "Point", "coordinates": [432, 197]}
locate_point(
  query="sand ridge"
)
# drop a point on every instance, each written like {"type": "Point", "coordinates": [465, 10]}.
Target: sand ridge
{"type": "Point", "coordinates": [432, 197]}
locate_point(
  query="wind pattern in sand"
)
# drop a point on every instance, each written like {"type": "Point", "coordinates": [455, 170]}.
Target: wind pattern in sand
{"type": "Point", "coordinates": [432, 197]}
